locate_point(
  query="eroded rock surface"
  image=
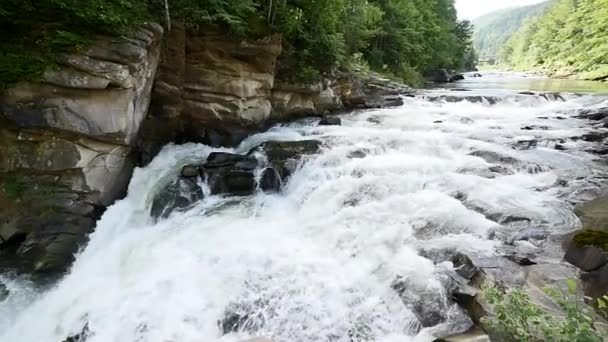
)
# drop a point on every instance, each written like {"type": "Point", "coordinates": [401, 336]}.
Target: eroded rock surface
{"type": "Point", "coordinates": [67, 145]}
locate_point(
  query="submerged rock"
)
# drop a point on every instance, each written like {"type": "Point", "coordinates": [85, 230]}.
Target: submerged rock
{"type": "Point", "coordinates": [330, 121]}
{"type": "Point", "coordinates": [176, 195]}
{"type": "Point", "coordinates": [232, 174]}
{"type": "Point", "coordinates": [3, 292]}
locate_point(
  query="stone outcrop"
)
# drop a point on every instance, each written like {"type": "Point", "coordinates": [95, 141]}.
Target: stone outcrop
{"type": "Point", "coordinates": [67, 143]}
{"type": "Point", "coordinates": [210, 89]}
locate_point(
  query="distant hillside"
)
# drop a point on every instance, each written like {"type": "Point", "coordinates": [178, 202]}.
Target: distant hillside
{"type": "Point", "coordinates": [493, 30]}
{"type": "Point", "coordinates": [568, 40]}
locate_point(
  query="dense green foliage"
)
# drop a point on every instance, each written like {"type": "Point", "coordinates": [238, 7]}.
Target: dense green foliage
{"type": "Point", "coordinates": [405, 38]}
{"type": "Point", "coordinates": [493, 30]}
{"type": "Point", "coordinates": [569, 39]}
{"type": "Point", "coordinates": [518, 318]}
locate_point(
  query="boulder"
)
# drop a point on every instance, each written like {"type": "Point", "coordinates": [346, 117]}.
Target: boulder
{"type": "Point", "coordinates": [596, 282]}
{"type": "Point", "coordinates": [464, 266]}
{"type": "Point", "coordinates": [585, 254]}
{"type": "Point", "coordinates": [330, 121]}
{"type": "Point", "coordinates": [3, 292]}
{"type": "Point", "coordinates": [177, 195]}
{"type": "Point", "coordinates": [441, 76]}
{"type": "Point", "coordinates": [231, 174]}
{"type": "Point", "coordinates": [596, 114]}
{"type": "Point", "coordinates": [457, 77]}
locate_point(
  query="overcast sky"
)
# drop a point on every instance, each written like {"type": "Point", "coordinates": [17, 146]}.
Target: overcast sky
{"type": "Point", "coordinates": [469, 9]}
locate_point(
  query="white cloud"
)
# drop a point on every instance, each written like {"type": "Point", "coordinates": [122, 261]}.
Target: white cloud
{"type": "Point", "coordinates": [469, 9]}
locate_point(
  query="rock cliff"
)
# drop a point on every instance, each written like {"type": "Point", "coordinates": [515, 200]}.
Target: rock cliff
{"type": "Point", "coordinates": [67, 142]}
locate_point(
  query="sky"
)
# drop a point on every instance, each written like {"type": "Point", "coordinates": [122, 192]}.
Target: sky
{"type": "Point", "coordinates": [470, 9]}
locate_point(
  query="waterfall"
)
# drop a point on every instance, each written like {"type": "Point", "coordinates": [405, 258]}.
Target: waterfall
{"type": "Point", "coordinates": [345, 252]}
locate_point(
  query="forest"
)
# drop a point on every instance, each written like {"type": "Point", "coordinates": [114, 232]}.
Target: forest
{"type": "Point", "coordinates": [406, 39]}
{"type": "Point", "coordinates": [569, 40]}
{"type": "Point", "coordinates": [493, 30]}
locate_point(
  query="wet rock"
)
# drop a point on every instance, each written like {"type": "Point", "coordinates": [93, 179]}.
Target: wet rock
{"type": "Point", "coordinates": [493, 157]}
{"type": "Point", "coordinates": [529, 234]}
{"type": "Point", "coordinates": [501, 170]}
{"type": "Point", "coordinates": [457, 77]}
{"type": "Point", "coordinates": [593, 114]}
{"type": "Point", "coordinates": [587, 258]}
{"type": "Point", "coordinates": [437, 122]}
{"type": "Point", "coordinates": [476, 334]}
{"type": "Point", "coordinates": [359, 154]}
{"type": "Point", "coordinates": [81, 336]}
{"type": "Point", "coordinates": [594, 214]}
{"type": "Point", "coordinates": [596, 282]}
{"type": "Point", "coordinates": [526, 93]}
{"type": "Point", "coordinates": [3, 292]}
{"type": "Point", "coordinates": [428, 305]}
{"type": "Point", "coordinates": [231, 174]}
{"type": "Point", "coordinates": [177, 195]}
{"type": "Point", "coordinates": [560, 147]}
{"type": "Point", "coordinates": [283, 157]}
{"type": "Point", "coordinates": [520, 260]}
{"type": "Point", "coordinates": [242, 317]}
{"type": "Point", "coordinates": [464, 266]}
{"type": "Point", "coordinates": [441, 76]}
{"type": "Point", "coordinates": [258, 339]}
{"type": "Point", "coordinates": [330, 121]}
{"type": "Point", "coordinates": [271, 180]}
{"type": "Point", "coordinates": [595, 136]}
{"type": "Point", "coordinates": [189, 171]}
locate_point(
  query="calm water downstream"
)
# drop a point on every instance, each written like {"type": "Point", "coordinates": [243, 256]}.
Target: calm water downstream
{"type": "Point", "coordinates": [318, 261]}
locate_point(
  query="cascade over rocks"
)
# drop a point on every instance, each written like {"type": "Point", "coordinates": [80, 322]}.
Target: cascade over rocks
{"type": "Point", "coordinates": [233, 174]}
{"type": "Point", "coordinates": [67, 145]}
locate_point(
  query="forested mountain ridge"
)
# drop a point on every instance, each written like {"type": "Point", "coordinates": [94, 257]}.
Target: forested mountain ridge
{"type": "Point", "coordinates": [493, 30]}
{"type": "Point", "coordinates": [569, 40]}
{"type": "Point", "coordinates": [402, 38]}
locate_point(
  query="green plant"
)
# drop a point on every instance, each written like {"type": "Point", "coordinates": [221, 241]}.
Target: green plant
{"type": "Point", "coordinates": [518, 318]}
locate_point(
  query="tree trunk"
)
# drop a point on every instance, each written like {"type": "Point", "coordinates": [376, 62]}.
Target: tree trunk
{"type": "Point", "coordinates": [167, 15]}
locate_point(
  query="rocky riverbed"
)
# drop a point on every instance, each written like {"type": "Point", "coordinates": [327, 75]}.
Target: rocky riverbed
{"type": "Point", "coordinates": [377, 224]}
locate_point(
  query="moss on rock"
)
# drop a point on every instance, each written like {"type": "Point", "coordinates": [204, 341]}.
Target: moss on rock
{"type": "Point", "coordinates": [592, 238]}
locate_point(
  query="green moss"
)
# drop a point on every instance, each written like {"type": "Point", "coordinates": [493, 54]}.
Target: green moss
{"type": "Point", "coordinates": [13, 188]}
{"type": "Point", "coordinates": [592, 238]}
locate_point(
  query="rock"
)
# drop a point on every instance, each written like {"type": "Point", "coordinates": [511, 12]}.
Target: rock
{"type": "Point", "coordinates": [230, 174]}
{"type": "Point", "coordinates": [461, 98]}
{"type": "Point", "coordinates": [176, 195]}
{"type": "Point", "coordinates": [330, 121]}
{"type": "Point", "coordinates": [457, 77]}
{"type": "Point", "coordinates": [587, 258]}
{"type": "Point", "coordinates": [477, 75]}
{"type": "Point", "coordinates": [520, 260]}
{"type": "Point", "coordinates": [596, 282]}
{"type": "Point", "coordinates": [560, 147]}
{"type": "Point", "coordinates": [493, 157]}
{"type": "Point", "coordinates": [473, 335]}
{"type": "Point", "coordinates": [441, 76]}
{"type": "Point", "coordinates": [283, 158]}
{"type": "Point", "coordinates": [595, 136]}
{"type": "Point", "coordinates": [593, 114]}
{"type": "Point", "coordinates": [117, 74]}
{"type": "Point", "coordinates": [3, 292]}
{"type": "Point", "coordinates": [70, 78]}
{"type": "Point", "coordinates": [428, 305]}
{"type": "Point", "coordinates": [594, 214]}
{"type": "Point", "coordinates": [526, 93]}
{"type": "Point", "coordinates": [241, 317]}
{"type": "Point", "coordinates": [258, 339]}
{"type": "Point", "coordinates": [296, 100]}
{"type": "Point", "coordinates": [464, 266]}
{"type": "Point", "coordinates": [190, 171]}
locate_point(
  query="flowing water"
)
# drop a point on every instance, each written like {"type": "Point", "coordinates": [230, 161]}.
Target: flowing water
{"type": "Point", "coordinates": [319, 261]}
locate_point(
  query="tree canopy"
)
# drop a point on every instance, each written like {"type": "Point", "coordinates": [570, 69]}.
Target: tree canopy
{"type": "Point", "coordinates": [405, 38]}
{"type": "Point", "coordinates": [493, 30]}
{"type": "Point", "coordinates": [569, 39]}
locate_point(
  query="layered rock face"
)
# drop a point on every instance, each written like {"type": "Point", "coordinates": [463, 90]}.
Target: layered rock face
{"type": "Point", "coordinates": [67, 143]}
{"type": "Point", "coordinates": [210, 88]}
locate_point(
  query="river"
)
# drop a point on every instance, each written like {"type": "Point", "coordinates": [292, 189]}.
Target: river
{"type": "Point", "coordinates": [319, 260]}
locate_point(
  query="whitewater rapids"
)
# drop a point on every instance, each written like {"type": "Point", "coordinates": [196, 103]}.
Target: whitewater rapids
{"type": "Point", "coordinates": [317, 261]}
